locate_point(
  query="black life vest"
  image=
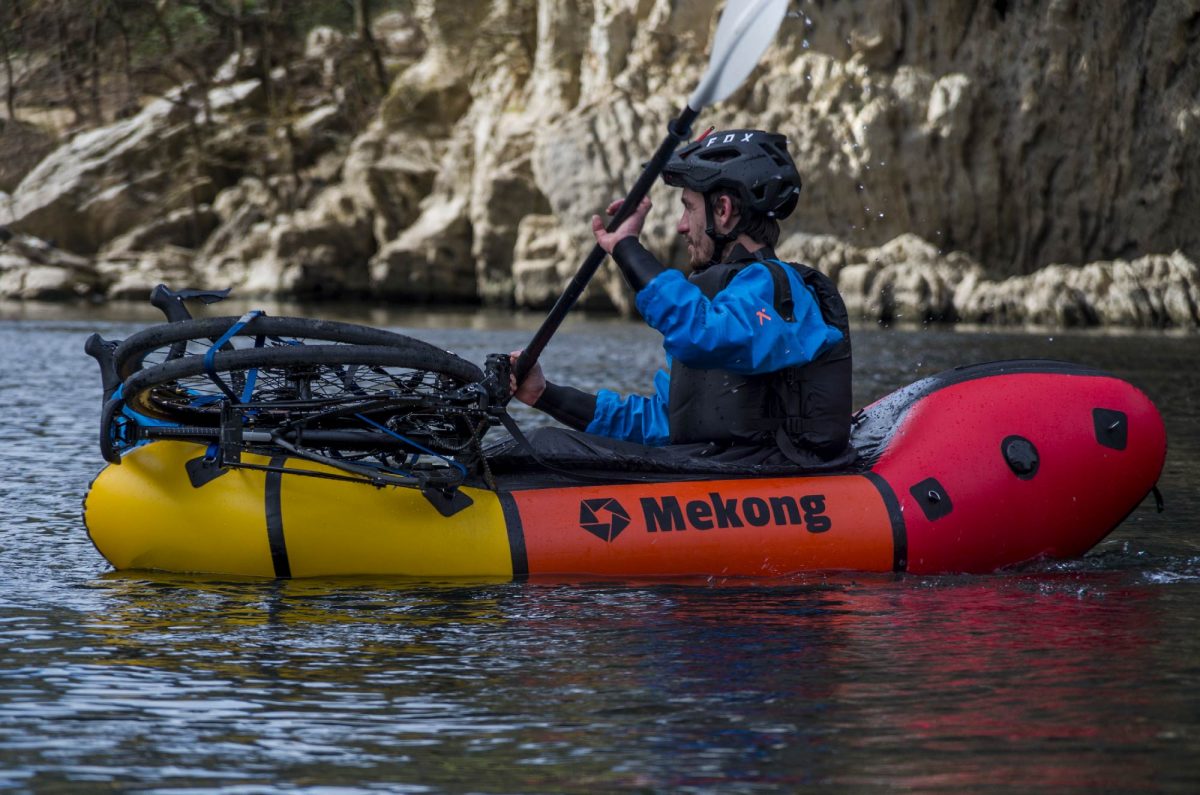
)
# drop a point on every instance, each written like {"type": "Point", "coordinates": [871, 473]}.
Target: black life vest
{"type": "Point", "coordinates": [804, 410]}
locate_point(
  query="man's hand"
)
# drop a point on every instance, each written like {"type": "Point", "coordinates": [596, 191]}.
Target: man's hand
{"type": "Point", "coordinates": [630, 227]}
{"type": "Point", "coordinates": [533, 386]}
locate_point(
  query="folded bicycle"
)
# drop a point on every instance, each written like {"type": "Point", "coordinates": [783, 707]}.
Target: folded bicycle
{"type": "Point", "coordinates": [373, 405]}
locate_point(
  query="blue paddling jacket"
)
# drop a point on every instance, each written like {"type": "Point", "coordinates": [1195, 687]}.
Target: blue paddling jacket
{"type": "Point", "coordinates": [759, 354]}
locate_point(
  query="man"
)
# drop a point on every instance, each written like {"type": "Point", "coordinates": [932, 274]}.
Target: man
{"type": "Point", "coordinates": [759, 350]}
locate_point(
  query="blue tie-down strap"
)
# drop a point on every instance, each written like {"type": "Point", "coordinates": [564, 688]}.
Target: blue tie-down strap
{"type": "Point", "coordinates": [462, 469]}
{"type": "Point", "coordinates": [120, 423]}
{"type": "Point", "coordinates": [210, 356]}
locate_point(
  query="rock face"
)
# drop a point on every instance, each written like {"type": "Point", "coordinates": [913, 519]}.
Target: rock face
{"type": "Point", "coordinates": [31, 268]}
{"type": "Point", "coordinates": [22, 146]}
{"type": "Point", "coordinates": [908, 280]}
{"type": "Point", "coordinates": [1025, 134]}
{"type": "Point", "coordinates": [108, 180]}
{"type": "Point", "coordinates": [991, 162]}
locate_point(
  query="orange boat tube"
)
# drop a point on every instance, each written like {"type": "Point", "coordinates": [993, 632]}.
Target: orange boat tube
{"type": "Point", "coordinates": [971, 470]}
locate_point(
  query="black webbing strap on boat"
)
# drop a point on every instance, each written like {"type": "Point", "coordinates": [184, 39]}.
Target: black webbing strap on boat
{"type": "Point", "coordinates": [274, 512]}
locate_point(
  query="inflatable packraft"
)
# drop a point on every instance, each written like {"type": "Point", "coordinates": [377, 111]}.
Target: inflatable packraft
{"type": "Point", "coordinates": [974, 469]}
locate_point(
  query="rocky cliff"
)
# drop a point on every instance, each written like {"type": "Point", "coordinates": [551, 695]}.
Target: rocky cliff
{"type": "Point", "coordinates": [985, 161]}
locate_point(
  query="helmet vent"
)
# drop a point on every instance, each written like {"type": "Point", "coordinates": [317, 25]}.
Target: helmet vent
{"type": "Point", "coordinates": [719, 156]}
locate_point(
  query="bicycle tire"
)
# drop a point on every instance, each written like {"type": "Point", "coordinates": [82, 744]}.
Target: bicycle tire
{"type": "Point", "coordinates": [194, 338]}
{"type": "Point", "coordinates": [180, 390]}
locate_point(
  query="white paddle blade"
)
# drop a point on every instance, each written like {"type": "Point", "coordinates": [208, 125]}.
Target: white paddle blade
{"type": "Point", "coordinates": [744, 32]}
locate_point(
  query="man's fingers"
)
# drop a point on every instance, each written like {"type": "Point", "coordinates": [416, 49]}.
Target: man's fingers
{"type": "Point", "coordinates": [512, 377]}
{"type": "Point", "coordinates": [643, 206]}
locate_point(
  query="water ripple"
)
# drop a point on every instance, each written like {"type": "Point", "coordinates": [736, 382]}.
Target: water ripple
{"type": "Point", "coordinates": [1082, 670]}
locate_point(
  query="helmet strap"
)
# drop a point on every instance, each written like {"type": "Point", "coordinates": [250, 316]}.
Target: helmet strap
{"type": "Point", "coordinates": [720, 239]}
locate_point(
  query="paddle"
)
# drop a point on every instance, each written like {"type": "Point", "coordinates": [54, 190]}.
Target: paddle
{"type": "Point", "coordinates": [744, 31]}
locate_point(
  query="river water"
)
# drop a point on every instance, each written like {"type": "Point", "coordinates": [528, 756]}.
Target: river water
{"type": "Point", "coordinates": [1083, 675]}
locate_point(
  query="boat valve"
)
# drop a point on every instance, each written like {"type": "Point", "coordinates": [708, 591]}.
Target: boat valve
{"type": "Point", "coordinates": [1021, 456]}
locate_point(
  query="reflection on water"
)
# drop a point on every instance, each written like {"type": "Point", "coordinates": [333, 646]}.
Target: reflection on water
{"type": "Point", "coordinates": [1071, 676]}
{"type": "Point", "coordinates": [864, 682]}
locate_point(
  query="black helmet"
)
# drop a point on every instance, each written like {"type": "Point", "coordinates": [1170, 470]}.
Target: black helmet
{"type": "Point", "coordinates": [752, 164]}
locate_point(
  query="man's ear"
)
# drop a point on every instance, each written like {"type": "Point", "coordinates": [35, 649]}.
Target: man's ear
{"type": "Point", "coordinates": [723, 214]}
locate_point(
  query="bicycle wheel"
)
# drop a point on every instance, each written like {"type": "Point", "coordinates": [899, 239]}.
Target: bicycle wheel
{"type": "Point", "coordinates": [312, 385]}
{"type": "Point", "coordinates": [194, 338]}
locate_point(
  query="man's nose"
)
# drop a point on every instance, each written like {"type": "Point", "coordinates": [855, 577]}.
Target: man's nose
{"type": "Point", "coordinates": [682, 226]}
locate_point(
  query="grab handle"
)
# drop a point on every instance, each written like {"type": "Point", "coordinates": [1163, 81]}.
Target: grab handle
{"type": "Point", "coordinates": [101, 350]}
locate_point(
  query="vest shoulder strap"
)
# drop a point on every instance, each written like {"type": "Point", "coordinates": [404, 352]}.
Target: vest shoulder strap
{"type": "Point", "coordinates": [785, 305]}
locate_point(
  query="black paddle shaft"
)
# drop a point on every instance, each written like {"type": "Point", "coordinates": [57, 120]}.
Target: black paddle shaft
{"type": "Point", "coordinates": [677, 132]}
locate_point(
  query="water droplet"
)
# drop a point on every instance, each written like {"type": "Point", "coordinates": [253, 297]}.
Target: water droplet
{"type": "Point", "coordinates": [805, 44]}
{"type": "Point", "coordinates": [881, 215]}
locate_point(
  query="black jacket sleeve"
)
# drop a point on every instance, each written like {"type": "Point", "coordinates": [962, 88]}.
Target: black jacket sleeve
{"type": "Point", "coordinates": [637, 265]}
{"type": "Point", "coordinates": [570, 406]}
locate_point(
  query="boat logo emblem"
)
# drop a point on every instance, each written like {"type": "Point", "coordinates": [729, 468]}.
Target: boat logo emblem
{"type": "Point", "coordinates": [603, 517]}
